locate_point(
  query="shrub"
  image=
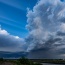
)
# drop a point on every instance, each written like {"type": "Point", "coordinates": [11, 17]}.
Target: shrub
{"type": "Point", "coordinates": [25, 61]}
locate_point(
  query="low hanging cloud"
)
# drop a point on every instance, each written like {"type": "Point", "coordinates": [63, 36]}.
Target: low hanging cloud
{"type": "Point", "coordinates": [10, 43]}
{"type": "Point", "coordinates": [46, 25]}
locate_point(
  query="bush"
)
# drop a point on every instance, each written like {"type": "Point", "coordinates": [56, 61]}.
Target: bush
{"type": "Point", "coordinates": [25, 61]}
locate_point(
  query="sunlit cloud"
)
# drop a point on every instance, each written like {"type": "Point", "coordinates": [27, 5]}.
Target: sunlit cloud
{"type": "Point", "coordinates": [10, 43]}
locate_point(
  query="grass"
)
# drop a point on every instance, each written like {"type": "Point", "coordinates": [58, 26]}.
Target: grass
{"type": "Point", "coordinates": [25, 61]}
{"type": "Point", "coordinates": [21, 61]}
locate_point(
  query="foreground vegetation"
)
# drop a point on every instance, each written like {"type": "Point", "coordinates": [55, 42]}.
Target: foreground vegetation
{"type": "Point", "coordinates": [25, 61]}
{"type": "Point", "coordinates": [54, 61]}
{"type": "Point", "coordinates": [21, 61]}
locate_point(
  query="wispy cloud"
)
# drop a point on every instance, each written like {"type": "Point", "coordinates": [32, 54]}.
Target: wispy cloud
{"type": "Point", "coordinates": [10, 22]}
{"type": "Point", "coordinates": [14, 4]}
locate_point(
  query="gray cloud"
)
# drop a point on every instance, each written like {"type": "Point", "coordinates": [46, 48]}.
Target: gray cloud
{"type": "Point", "coordinates": [59, 33]}
{"type": "Point", "coordinates": [10, 43]}
{"type": "Point", "coordinates": [44, 22]}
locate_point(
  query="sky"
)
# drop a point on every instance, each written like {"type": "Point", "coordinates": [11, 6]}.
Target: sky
{"type": "Point", "coordinates": [13, 16]}
{"type": "Point", "coordinates": [33, 26]}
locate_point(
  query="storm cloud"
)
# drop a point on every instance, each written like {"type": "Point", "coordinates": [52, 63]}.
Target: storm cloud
{"type": "Point", "coordinates": [46, 25]}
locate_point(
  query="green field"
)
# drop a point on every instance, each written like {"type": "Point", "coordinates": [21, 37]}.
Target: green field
{"type": "Point", "coordinates": [25, 61]}
{"type": "Point", "coordinates": [21, 61]}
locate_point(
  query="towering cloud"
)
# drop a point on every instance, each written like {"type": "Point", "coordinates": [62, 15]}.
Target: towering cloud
{"type": "Point", "coordinates": [46, 25]}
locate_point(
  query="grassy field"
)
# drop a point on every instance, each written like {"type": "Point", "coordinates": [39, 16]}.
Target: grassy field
{"type": "Point", "coordinates": [25, 61]}
{"type": "Point", "coordinates": [21, 61]}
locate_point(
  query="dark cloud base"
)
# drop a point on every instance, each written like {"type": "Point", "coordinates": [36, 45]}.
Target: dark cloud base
{"type": "Point", "coordinates": [12, 55]}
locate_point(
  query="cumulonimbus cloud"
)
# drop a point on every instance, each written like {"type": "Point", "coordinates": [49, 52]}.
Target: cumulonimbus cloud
{"type": "Point", "coordinates": [46, 25]}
